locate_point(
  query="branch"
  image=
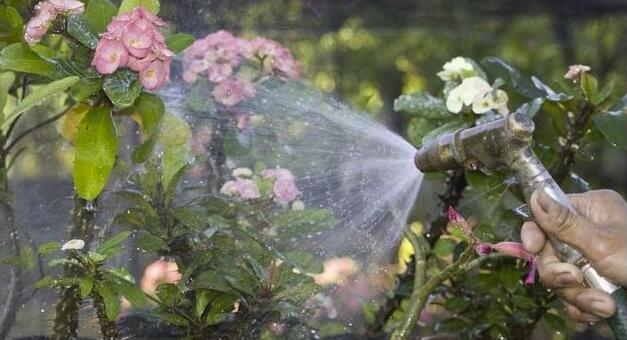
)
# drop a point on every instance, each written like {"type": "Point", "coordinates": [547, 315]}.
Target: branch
{"type": "Point", "coordinates": [37, 126]}
{"type": "Point", "coordinates": [419, 297]}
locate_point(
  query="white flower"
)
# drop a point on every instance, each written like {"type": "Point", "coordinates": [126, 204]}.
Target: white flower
{"type": "Point", "coordinates": [242, 172]}
{"type": "Point", "coordinates": [229, 188]}
{"type": "Point", "coordinates": [575, 71]}
{"type": "Point", "coordinates": [298, 205]}
{"type": "Point", "coordinates": [74, 244]}
{"type": "Point", "coordinates": [470, 90]}
{"type": "Point", "coordinates": [455, 68]}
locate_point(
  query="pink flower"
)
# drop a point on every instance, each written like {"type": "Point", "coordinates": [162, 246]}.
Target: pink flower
{"type": "Point", "coordinates": [218, 53]}
{"type": "Point", "coordinates": [155, 75]}
{"type": "Point", "coordinates": [336, 270]}
{"type": "Point", "coordinates": [219, 72]}
{"type": "Point", "coordinates": [45, 13]}
{"type": "Point", "coordinates": [243, 121]}
{"type": "Point", "coordinates": [109, 56]}
{"type": "Point", "coordinates": [513, 249]}
{"type": "Point", "coordinates": [232, 91]}
{"type": "Point", "coordinates": [285, 189]}
{"type": "Point", "coordinates": [274, 57]}
{"type": "Point", "coordinates": [137, 39]}
{"type": "Point", "coordinates": [575, 72]}
{"type": "Point", "coordinates": [68, 6]}
{"type": "Point", "coordinates": [245, 188]}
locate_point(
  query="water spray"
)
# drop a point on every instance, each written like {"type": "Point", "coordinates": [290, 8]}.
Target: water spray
{"type": "Point", "coordinates": [504, 145]}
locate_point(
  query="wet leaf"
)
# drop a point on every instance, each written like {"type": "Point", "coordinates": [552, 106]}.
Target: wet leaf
{"type": "Point", "coordinates": [122, 88]}
{"type": "Point", "coordinates": [422, 104]}
{"type": "Point", "coordinates": [457, 304]}
{"type": "Point", "coordinates": [49, 247]}
{"type": "Point", "coordinates": [149, 108]}
{"type": "Point", "coordinates": [331, 329]}
{"type": "Point", "coordinates": [128, 5]}
{"type": "Point", "coordinates": [85, 286]}
{"type": "Point", "coordinates": [149, 242]}
{"type": "Point", "coordinates": [589, 86]}
{"type": "Point", "coordinates": [11, 25]}
{"type": "Point", "coordinates": [443, 247]}
{"type": "Point", "coordinates": [613, 127]}
{"type": "Point", "coordinates": [523, 85]}
{"type": "Point", "coordinates": [71, 121]}
{"type": "Point", "coordinates": [114, 244]}
{"type": "Point", "coordinates": [6, 81]}
{"type": "Point", "coordinates": [510, 278]}
{"type": "Point", "coordinates": [79, 29]}
{"type": "Point", "coordinates": [111, 301]}
{"type": "Point", "coordinates": [128, 289]}
{"type": "Point", "coordinates": [96, 149]}
{"type": "Point", "coordinates": [85, 88]}
{"type": "Point", "coordinates": [173, 319]}
{"type": "Point", "coordinates": [98, 14]}
{"type": "Point", "coordinates": [555, 322]}
{"type": "Point", "coordinates": [452, 325]}
{"type": "Point", "coordinates": [174, 136]}
{"type": "Point", "coordinates": [45, 282]}
{"type": "Point", "coordinates": [168, 293]}
{"type": "Point", "coordinates": [37, 97]}
{"type": "Point", "coordinates": [19, 57]}
{"type": "Point", "coordinates": [178, 42]}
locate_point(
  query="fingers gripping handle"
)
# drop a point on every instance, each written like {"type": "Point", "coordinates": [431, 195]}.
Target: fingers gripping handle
{"type": "Point", "coordinates": [533, 176]}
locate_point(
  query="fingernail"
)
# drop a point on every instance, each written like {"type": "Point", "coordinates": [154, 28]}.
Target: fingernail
{"type": "Point", "coordinates": [601, 308]}
{"type": "Point", "coordinates": [565, 279]}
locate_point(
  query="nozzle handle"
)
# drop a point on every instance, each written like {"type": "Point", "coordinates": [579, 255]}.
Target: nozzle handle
{"type": "Point", "coordinates": [533, 176]}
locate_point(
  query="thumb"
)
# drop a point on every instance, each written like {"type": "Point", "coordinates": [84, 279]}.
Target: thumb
{"type": "Point", "coordinates": [560, 222]}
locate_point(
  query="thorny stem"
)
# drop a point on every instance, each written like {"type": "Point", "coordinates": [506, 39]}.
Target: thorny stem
{"type": "Point", "coordinates": [576, 127]}
{"type": "Point", "coordinates": [66, 319]}
{"type": "Point", "coordinates": [419, 296]}
{"type": "Point", "coordinates": [216, 157]}
{"type": "Point", "coordinates": [450, 198]}
{"type": "Point", "coordinates": [107, 327]}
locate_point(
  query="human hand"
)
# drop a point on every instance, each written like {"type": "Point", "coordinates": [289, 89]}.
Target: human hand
{"type": "Point", "coordinates": [598, 229]}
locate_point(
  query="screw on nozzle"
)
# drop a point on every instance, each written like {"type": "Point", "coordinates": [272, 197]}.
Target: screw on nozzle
{"type": "Point", "coordinates": [520, 125]}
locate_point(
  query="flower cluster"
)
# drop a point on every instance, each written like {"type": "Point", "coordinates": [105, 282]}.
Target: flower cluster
{"type": "Point", "coordinates": [45, 13]}
{"type": "Point", "coordinates": [336, 271]}
{"type": "Point", "coordinates": [513, 249]}
{"type": "Point", "coordinates": [247, 186]}
{"type": "Point", "coordinates": [575, 72]}
{"type": "Point", "coordinates": [133, 40]}
{"type": "Point", "coordinates": [219, 55]}
{"type": "Point", "coordinates": [470, 89]}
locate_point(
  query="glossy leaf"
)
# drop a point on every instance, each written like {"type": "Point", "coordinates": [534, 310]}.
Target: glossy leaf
{"type": "Point", "coordinates": [520, 83]}
{"type": "Point", "coordinates": [149, 109]}
{"type": "Point", "coordinates": [98, 14]}
{"type": "Point", "coordinates": [6, 81]}
{"type": "Point", "coordinates": [122, 88]}
{"type": "Point", "coordinates": [49, 247]}
{"type": "Point", "coordinates": [11, 25]}
{"type": "Point", "coordinates": [589, 86]}
{"type": "Point", "coordinates": [168, 293]}
{"type": "Point", "coordinates": [79, 29]}
{"type": "Point", "coordinates": [178, 42]}
{"type": "Point", "coordinates": [114, 244]}
{"type": "Point", "coordinates": [128, 5]}
{"type": "Point", "coordinates": [174, 137]}
{"type": "Point", "coordinates": [19, 57]}
{"type": "Point", "coordinates": [422, 104]}
{"type": "Point", "coordinates": [127, 289]}
{"type": "Point", "coordinates": [111, 300]}
{"type": "Point", "coordinates": [149, 242]}
{"type": "Point", "coordinates": [71, 121]}
{"type": "Point", "coordinates": [96, 149]}
{"type": "Point", "coordinates": [85, 286]}
{"type": "Point", "coordinates": [85, 88]}
{"type": "Point", "coordinates": [613, 127]}
{"type": "Point", "coordinates": [38, 96]}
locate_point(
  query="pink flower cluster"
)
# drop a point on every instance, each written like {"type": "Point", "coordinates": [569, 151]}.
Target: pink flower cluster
{"type": "Point", "coordinates": [284, 188]}
{"type": "Point", "coordinates": [245, 188]}
{"type": "Point", "coordinates": [513, 249]}
{"type": "Point", "coordinates": [133, 40]}
{"type": "Point", "coordinates": [45, 13]}
{"type": "Point", "coordinates": [219, 55]}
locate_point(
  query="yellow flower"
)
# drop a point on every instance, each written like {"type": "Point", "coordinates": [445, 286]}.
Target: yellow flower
{"type": "Point", "coordinates": [406, 250]}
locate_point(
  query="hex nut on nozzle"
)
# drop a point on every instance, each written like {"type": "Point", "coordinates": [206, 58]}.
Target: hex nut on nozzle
{"type": "Point", "coordinates": [520, 125]}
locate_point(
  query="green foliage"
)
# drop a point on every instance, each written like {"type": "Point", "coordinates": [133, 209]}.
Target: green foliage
{"type": "Point", "coordinates": [128, 5]}
{"type": "Point", "coordinates": [19, 57]}
{"type": "Point", "coordinates": [98, 14]}
{"type": "Point", "coordinates": [178, 42]}
{"type": "Point", "coordinates": [11, 25]}
{"type": "Point", "coordinates": [39, 96]}
{"type": "Point", "coordinates": [96, 149]}
{"type": "Point", "coordinates": [122, 88]}
{"type": "Point", "coordinates": [80, 30]}
{"type": "Point", "coordinates": [150, 110]}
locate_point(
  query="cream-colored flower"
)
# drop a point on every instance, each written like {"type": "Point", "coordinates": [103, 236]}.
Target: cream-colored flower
{"type": "Point", "coordinates": [493, 100]}
{"type": "Point", "coordinates": [336, 271]}
{"type": "Point", "coordinates": [74, 244]}
{"type": "Point", "coordinates": [575, 71]}
{"type": "Point", "coordinates": [455, 68]}
{"type": "Point", "coordinates": [298, 205]}
{"type": "Point", "coordinates": [242, 172]}
{"type": "Point", "coordinates": [470, 90]}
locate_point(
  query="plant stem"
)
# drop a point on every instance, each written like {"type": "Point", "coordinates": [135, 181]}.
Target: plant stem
{"type": "Point", "coordinates": [11, 306]}
{"type": "Point", "coordinates": [107, 327]}
{"type": "Point", "coordinates": [66, 319]}
{"type": "Point", "coordinates": [452, 195]}
{"type": "Point", "coordinates": [419, 296]}
{"type": "Point", "coordinates": [575, 129]}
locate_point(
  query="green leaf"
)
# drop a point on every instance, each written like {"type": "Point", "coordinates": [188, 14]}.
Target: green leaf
{"type": "Point", "coordinates": [49, 247]}
{"type": "Point", "coordinates": [19, 57]}
{"type": "Point", "coordinates": [443, 247]}
{"type": "Point", "coordinates": [150, 5]}
{"type": "Point", "coordinates": [122, 88]}
{"type": "Point", "coordinates": [11, 25]}
{"type": "Point", "coordinates": [333, 329]}
{"type": "Point", "coordinates": [498, 68]}
{"type": "Point", "coordinates": [604, 93]}
{"type": "Point", "coordinates": [294, 223]}
{"type": "Point", "coordinates": [98, 14]}
{"type": "Point", "coordinates": [202, 300]}
{"type": "Point", "coordinates": [85, 88]}
{"type": "Point", "coordinates": [124, 287]}
{"type": "Point", "coordinates": [149, 242]}
{"type": "Point", "coordinates": [178, 42]}
{"type": "Point", "coordinates": [510, 278]}
{"type": "Point", "coordinates": [589, 86]}
{"type": "Point", "coordinates": [38, 96]}
{"type": "Point", "coordinates": [150, 109]}
{"type": "Point", "coordinates": [457, 304]}
{"type": "Point", "coordinates": [111, 301]}
{"type": "Point", "coordinates": [613, 127]}
{"type": "Point", "coordinates": [96, 148]}
{"type": "Point", "coordinates": [45, 282]}
{"type": "Point", "coordinates": [555, 322]}
{"type": "Point", "coordinates": [79, 29]}
{"type": "Point", "coordinates": [6, 81]}
{"type": "Point", "coordinates": [85, 286]}
{"type": "Point", "coordinates": [523, 301]}
{"type": "Point", "coordinates": [173, 319]}
{"type": "Point", "coordinates": [174, 137]}
{"type": "Point", "coordinates": [422, 104]}
{"type": "Point", "coordinates": [168, 293]}
{"type": "Point", "coordinates": [114, 244]}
